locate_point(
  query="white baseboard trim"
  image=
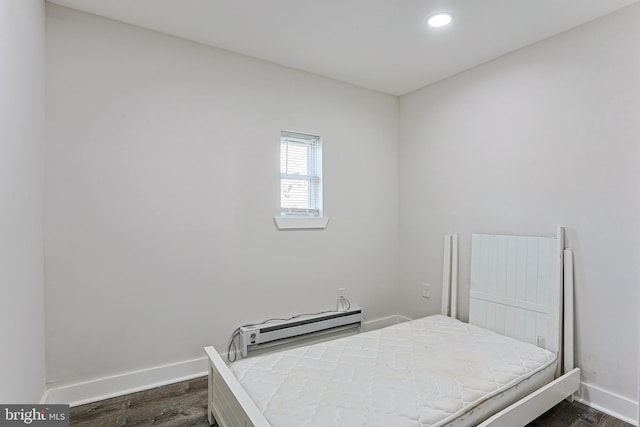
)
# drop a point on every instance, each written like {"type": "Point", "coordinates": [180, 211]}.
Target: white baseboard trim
{"type": "Point", "coordinates": [371, 325]}
{"type": "Point", "coordinates": [118, 385]}
{"type": "Point", "coordinates": [130, 382]}
{"type": "Point", "coordinates": [610, 403]}
{"type": "Point", "coordinates": [44, 397]}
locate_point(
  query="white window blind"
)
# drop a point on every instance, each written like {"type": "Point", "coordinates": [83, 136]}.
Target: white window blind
{"type": "Point", "coordinates": [300, 175]}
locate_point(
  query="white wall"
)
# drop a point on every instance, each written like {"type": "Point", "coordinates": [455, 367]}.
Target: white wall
{"type": "Point", "coordinates": [545, 136]}
{"type": "Point", "coordinates": [162, 184]}
{"type": "Point", "coordinates": [22, 53]}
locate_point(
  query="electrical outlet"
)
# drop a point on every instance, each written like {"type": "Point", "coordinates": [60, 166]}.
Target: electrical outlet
{"type": "Point", "coordinates": [426, 290]}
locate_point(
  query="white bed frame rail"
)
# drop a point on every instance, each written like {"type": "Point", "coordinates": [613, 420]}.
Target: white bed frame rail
{"type": "Point", "coordinates": [449, 305]}
{"type": "Point", "coordinates": [230, 406]}
{"type": "Point", "coordinates": [537, 403]}
{"type": "Point", "coordinates": [228, 403]}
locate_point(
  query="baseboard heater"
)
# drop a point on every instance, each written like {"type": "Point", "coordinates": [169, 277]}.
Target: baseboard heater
{"type": "Point", "coordinates": [261, 335]}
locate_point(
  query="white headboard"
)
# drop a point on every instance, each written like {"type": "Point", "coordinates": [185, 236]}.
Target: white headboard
{"type": "Point", "coordinates": [516, 287]}
{"type": "Point", "coordinates": [521, 286]}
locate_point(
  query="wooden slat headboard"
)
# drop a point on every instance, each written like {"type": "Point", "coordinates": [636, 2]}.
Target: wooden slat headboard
{"type": "Point", "coordinates": [516, 287]}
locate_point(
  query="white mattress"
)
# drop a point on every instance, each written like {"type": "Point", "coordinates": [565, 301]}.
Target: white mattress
{"type": "Point", "coordinates": [432, 372]}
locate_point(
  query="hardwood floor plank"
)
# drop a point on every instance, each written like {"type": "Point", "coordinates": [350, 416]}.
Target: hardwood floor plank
{"type": "Point", "coordinates": [109, 409]}
{"type": "Point", "coordinates": [575, 414]}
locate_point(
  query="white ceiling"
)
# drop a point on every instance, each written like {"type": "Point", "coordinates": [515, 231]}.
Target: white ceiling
{"type": "Point", "coordinates": [378, 44]}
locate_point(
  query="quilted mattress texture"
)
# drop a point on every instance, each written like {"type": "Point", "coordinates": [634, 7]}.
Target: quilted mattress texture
{"type": "Point", "coordinates": [426, 372]}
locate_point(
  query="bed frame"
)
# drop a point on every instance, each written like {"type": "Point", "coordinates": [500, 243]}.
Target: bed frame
{"type": "Point", "coordinates": [230, 406]}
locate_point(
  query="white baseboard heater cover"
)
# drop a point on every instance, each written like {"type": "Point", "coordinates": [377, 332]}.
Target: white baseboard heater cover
{"type": "Point", "coordinates": [259, 335]}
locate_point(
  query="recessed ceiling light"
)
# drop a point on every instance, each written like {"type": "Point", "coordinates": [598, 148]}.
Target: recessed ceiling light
{"type": "Point", "coordinates": [440, 20]}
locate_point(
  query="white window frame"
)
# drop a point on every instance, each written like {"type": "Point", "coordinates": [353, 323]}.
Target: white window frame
{"type": "Point", "coordinates": [312, 215]}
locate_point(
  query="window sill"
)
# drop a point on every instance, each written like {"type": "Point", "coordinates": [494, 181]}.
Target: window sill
{"type": "Point", "coordinates": [301, 223]}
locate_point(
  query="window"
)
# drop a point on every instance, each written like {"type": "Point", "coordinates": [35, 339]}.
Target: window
{"type": "Point", "coordinates": [300, 181]}
{"type": "Point", "coordinates": [300, 185]}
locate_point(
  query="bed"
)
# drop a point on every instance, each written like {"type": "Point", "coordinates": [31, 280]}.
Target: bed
{"type": "Point", "coordinates": [504, 368]}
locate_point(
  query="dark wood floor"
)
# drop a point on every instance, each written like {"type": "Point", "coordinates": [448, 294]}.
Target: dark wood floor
{"type": "Point", "coordinates": [185, 404]}
{"type": "Point", "coordinates": [180, 404]}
